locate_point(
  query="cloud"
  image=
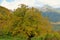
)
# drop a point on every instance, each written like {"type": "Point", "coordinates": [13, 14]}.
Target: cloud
{"type": "Point", "coordinates": [53, 3]}
{"type": "Point", "coordinates": [9, 5]}
{"type": "Point", "coordinates": [38, 3]}
{"type": "Point", "coordinates": [14, 5]}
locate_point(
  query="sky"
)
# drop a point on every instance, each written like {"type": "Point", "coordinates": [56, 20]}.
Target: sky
{"type": "Point", "coordinates": [13, 4]}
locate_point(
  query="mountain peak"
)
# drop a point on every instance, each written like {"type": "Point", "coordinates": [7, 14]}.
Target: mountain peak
{"type": "Point", "coordinates": [46, 8]}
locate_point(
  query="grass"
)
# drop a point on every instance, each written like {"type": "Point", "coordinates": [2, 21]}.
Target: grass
{"type": "Point", "coordinates": [55, 36]}
{"type": "Point", "coordinates": [11, 38]}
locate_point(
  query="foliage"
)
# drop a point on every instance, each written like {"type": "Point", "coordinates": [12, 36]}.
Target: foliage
{"type": "Point", "coordinates": [29, 21]}
{"type": "Point", "coordinates": [25, 23]}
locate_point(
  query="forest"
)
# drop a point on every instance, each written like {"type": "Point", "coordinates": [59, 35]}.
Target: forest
{"type": "Point", "coordinates": [25, 23]}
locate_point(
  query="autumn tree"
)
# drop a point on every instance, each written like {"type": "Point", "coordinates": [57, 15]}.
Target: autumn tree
{"type": "Point", "coordinates": [29, 21]}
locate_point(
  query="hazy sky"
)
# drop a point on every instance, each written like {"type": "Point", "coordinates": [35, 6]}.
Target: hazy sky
{"type": "Point", "coordinates": [12, 4]}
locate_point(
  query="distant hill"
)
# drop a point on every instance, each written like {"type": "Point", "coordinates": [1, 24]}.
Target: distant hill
{"type": "Point", "coordinates": [53, 14]}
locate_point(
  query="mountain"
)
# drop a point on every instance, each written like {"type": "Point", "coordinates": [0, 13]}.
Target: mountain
{"type": "Point", "coordinates": [58, 8]}
{"type": "Point", "coordinates": [46, 8]}
{"type": "Point", "coordinates": [53, 14]}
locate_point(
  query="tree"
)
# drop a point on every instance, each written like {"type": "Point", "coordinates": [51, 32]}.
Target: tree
{"type": "Point", "coordinates": [29, 21]}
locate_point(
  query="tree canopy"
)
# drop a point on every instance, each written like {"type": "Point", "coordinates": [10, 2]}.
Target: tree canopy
{"type": "Point", "coordinates": [25, 20]}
